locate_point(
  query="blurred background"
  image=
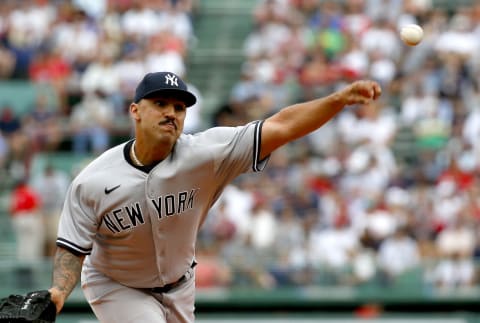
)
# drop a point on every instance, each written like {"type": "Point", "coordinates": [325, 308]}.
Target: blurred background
{"type": "Point", "coordinates": [374, 217]}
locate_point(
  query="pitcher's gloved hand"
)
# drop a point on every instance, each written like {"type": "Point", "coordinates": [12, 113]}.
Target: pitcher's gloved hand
{"type": "Point", "coordinates": [34, 307]}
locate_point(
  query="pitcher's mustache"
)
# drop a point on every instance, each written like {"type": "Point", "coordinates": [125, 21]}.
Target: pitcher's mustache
{"type": "Point", "coordinates": [169, 121]}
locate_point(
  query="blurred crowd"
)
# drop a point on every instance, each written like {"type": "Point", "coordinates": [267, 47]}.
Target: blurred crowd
{"type": "Point", "coordinates": [91, 54]}
{"type": "Point", "coordinates": [386, 193]}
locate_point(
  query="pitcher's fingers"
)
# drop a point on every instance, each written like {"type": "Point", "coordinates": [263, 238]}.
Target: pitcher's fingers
{"type": "Point", "coordinates": [377, 91]}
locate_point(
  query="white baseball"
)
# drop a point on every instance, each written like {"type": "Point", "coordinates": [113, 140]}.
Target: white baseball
{"type": "Point", "coordinates": [411, 34]}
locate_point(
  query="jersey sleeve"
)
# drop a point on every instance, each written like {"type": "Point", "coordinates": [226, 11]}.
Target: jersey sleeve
{"type": "Point", "coordinates": [77, 226]}
{"type": "Point", "coordinates": [236, 149]}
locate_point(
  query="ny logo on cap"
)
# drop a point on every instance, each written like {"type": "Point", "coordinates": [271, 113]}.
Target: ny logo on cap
{"type": "Point", "coordinates": [172, 79]}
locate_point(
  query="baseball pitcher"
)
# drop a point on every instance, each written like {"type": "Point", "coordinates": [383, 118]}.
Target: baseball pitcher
{"type": "Point", "coordinates": [131, 217]}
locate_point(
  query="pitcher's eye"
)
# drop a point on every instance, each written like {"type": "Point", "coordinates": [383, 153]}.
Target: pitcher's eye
{"type": "Point", "coordinates": [179, 107]}
{"type": "Point", "coordinates": [161, 103]}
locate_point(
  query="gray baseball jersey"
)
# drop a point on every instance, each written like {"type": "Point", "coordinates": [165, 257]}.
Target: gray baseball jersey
{"type": "Point", "coordinates": [139, 225]}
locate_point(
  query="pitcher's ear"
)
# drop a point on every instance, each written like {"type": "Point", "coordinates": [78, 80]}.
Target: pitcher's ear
{"type": "Point", "coordinates": [134, 111]}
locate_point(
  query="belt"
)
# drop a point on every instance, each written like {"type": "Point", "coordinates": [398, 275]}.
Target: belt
{"type": "Point", "coordinates": [168, 287]}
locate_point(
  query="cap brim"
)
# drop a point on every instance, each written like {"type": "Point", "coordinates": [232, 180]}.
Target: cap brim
{"type": "Point", "coordinates": [187, 97]}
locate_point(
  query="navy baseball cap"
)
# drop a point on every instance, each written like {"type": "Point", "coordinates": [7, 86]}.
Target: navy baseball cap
{"type": "Point", "coordinates": [165, 84]}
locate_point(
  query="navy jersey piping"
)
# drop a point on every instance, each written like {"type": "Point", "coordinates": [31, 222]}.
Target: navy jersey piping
{"type": "Point", "coordinates": [257, 144]}
{"type": "Point", "coordinates": [72, 247]}
{"type": "Point", "coordinates": [126, 154]}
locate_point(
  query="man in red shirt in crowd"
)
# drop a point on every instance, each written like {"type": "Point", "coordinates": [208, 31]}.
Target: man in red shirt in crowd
{"type": "Point", "coordinates": [27, 222]}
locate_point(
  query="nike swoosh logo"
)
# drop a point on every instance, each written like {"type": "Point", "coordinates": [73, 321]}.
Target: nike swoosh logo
{"type": "Point", "coordinates": [108, 191]}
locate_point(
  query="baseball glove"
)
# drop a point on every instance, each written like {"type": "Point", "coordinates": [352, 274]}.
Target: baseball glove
{"type": "Point", "coordinates": [34, 307]}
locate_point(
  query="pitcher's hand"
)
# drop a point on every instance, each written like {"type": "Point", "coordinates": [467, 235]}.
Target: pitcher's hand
{"type": "Point", "coordinates": [360, 92]}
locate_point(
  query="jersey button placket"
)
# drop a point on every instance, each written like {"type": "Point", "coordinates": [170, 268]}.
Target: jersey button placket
{"type": "Point", "coordinates": [161, 253]}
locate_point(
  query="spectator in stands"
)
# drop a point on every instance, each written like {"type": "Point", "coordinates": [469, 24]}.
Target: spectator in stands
{"type": "Point", "coordinates": [175, 21]}
{"type": "Point", "coordinates": [327, 27]}
{"type": "Point", "coordinates": [49, 68]}
{"type": "Point", "coordinates": [30, 21]}
{"type": "Point", "coordinates": [381, 38]}
{"type": "Point", "coordinates": [291, 266]}
{"type": "Point", "coordinates": [390, 9]}
{"type": "Point", "coordinates": [459, 39]}
{"type": "Point", "coordinates": [449, 204]}
{"type": "Point", "coordinates": [218, 226]}
{"type": "Point", "coordinates": [140, 20]}
{"type": "Point", "coordinates": [249, 89]}
{"type": "Point", "coordinates": [270, 29]}
{"type": "Point", "coordinates": [18, 158]}
{"type": "Point", "coordinates": [398, 254]}
{"type": "Point", "coordinates": [20, 155]}
{"type": "Point", "coordinates": [238, 201]}
{"type": "Point", "coordinates": [17, 38]}
{"type": "Point", "coordinates": [91, 120]}
{"type": "Point", "coordinates": [364, 264]}
{"type": "Point", "coordinates": [211, 270]}
{"type": "Point", "coordinates": [51, 185]}
{"type": "Point", "coordinates": [454, 272]}
{"type": "Point", "coordinates": [376, 125]}
{"type": "Point", "coordinates": [367, 174]}
{"type": "Point", "coordinates": [382, 69]}
{"type": "Point", "coordinates": [25, 206]}
{"type": "Point", "coordinates": [75, 37]}
{"type": "Point", "coordinates": [418, 104]}
{"type": "Point", "coordinates": [43, 125]}
{"type": "Point", "coordinates": [318, 75]}
{"type": "Point", "coordinates": [457, 239]}
{"type": "Point", "coordinates": [356, 20]}
{"type": "Point", "coordinates": [249, 265]}
{"type": "Point", "coordinates": [130, 70]}
{"type": "Point", "coordinates": [354, 62]}
{"type": "Point", "coordinates": [102, 76]}
{"type": "Point", "coordinates": [463, 178]}
{"type": "Point", "coordinates": [160, 57]}
{"type": "Point", "coordinates": [9, 121]}
{"type": "Point", "coordinates": [376, 221]}
{"type": "Point", "coordinates": [331, 250]}
{"type": "Point", "coordinates": [263, 224]}
{"type": "Point", "coordinates": [93, 8]}
{"type": "Point", "coordinates": [398, 201]}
